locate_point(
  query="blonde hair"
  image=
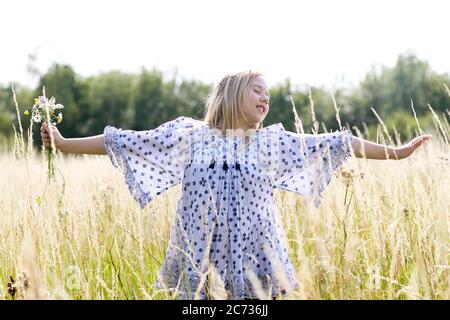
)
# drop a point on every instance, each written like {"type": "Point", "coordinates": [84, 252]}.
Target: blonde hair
{"type": "Point", "coordinates": [224, 106]}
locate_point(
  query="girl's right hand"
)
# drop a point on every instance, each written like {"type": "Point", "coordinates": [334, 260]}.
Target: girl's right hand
{"type": "Point", "coordinates": [45, 135]}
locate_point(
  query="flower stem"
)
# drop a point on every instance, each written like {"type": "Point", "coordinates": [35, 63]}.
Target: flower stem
{"type": "Point", "coordinates": [50, 171]}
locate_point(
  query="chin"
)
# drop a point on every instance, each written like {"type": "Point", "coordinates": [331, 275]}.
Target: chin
{"type": "Point", "coordinates": [257, 121]}
{"type": "Point", "coordinates": [261, 118]}
{"type": "Point", "coordinates": [254, 120]}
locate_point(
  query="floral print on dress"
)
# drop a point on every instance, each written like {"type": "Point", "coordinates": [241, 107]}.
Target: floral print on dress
{"type": "Point", "coordinates": [226, 217]}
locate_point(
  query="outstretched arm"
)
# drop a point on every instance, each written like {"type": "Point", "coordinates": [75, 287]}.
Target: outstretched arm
{"type": "Point", "coordinates": [370, 150]}
{"type": "Point", "coordinates": [87, 145]}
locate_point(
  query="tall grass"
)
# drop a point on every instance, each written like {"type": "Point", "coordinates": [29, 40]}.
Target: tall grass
{"type": "Point", "coordinates": [382, 231]}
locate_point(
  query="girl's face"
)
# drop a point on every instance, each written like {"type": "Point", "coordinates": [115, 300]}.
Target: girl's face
{"type": "Point", "coordinates": [257, 106]}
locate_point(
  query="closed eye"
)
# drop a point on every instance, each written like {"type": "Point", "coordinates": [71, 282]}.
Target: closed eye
{"type": "Point", "coordinates": [257, 90]}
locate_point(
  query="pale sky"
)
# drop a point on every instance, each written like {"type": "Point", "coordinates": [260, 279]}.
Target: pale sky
{"type": "Point", "coordinates": [319, 42]}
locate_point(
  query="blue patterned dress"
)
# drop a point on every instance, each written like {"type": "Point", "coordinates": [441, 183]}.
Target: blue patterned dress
{"type": "Point", "coordinates": [227, 221]}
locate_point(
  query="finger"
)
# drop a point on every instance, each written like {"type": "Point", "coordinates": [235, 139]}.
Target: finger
{"type": "Point", "coordinates": [425, 138]}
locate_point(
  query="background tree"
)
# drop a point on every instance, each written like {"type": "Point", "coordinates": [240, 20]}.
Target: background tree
{"type": "Point", "coordinates": [62, 83]}
{"type": "Point", "coordinates": [144, 101]}
{"type": "Point", "coordinates": [109, 97]}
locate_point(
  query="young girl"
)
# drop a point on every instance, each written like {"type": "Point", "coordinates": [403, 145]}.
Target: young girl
{"type": "Point", "coordinates": [227, 224]}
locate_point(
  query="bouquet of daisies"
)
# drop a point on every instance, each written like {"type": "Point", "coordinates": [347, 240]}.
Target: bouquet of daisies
{"type": "Point", "coordinates": [45, 109]}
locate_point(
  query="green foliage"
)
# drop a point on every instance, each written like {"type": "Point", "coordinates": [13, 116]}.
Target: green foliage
{"type": "Point", "coordinates": [192, 96]}
{"type": "Point", "coordinates": [391, 90]}
{"type": "Point", "coordinates": [280, 105]}
{"type": "Point", "coordinates": [404, 125]}
{"type": "Point", "coordinates": [8, 113]}
{"type": "Point", "coordinates": [144, 101]}
{"type": "Point", "coordinates": [109, 97]}
{"type": "Point", "coordinates": [70, 90]}
{"type": "Point", "coordinates": [6, 116]}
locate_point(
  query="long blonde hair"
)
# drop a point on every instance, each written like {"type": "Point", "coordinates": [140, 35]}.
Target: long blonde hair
{"type": "Point", "coordinates": [224, 106]}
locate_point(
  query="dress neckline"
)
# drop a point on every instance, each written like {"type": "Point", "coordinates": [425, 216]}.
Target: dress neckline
{"type": "Point", "coordinates": [271, 128]}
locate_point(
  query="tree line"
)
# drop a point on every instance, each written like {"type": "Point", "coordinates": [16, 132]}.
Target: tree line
{"type": "Point", "coordinates": [145, 100]}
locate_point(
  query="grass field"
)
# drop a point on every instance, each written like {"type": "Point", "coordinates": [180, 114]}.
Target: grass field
{"type": "Point", "coordinates": [382, 231]}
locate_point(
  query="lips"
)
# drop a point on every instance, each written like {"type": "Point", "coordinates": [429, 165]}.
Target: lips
{"type": "Point", "coordinates": [261, 107]}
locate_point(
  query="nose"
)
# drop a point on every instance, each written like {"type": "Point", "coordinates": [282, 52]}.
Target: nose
{"type": "Point", "coordinates": [265, 98]}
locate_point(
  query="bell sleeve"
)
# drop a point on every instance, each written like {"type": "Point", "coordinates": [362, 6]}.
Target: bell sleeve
{"type": "Point", "coordinates": [153, 160]}
{"type": "Point", "coordinates": [308, 161]}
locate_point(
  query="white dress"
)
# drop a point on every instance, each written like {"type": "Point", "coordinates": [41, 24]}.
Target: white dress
{"type": "Point", "coordinates": [226, 217]}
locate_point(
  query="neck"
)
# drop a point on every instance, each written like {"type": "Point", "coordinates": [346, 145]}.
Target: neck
{"type": "Point", "coordinates": [246, 128]}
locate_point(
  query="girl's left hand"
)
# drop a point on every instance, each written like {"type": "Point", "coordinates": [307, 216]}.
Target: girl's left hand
{"type": "Point", "coordinates": [406, 150]}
